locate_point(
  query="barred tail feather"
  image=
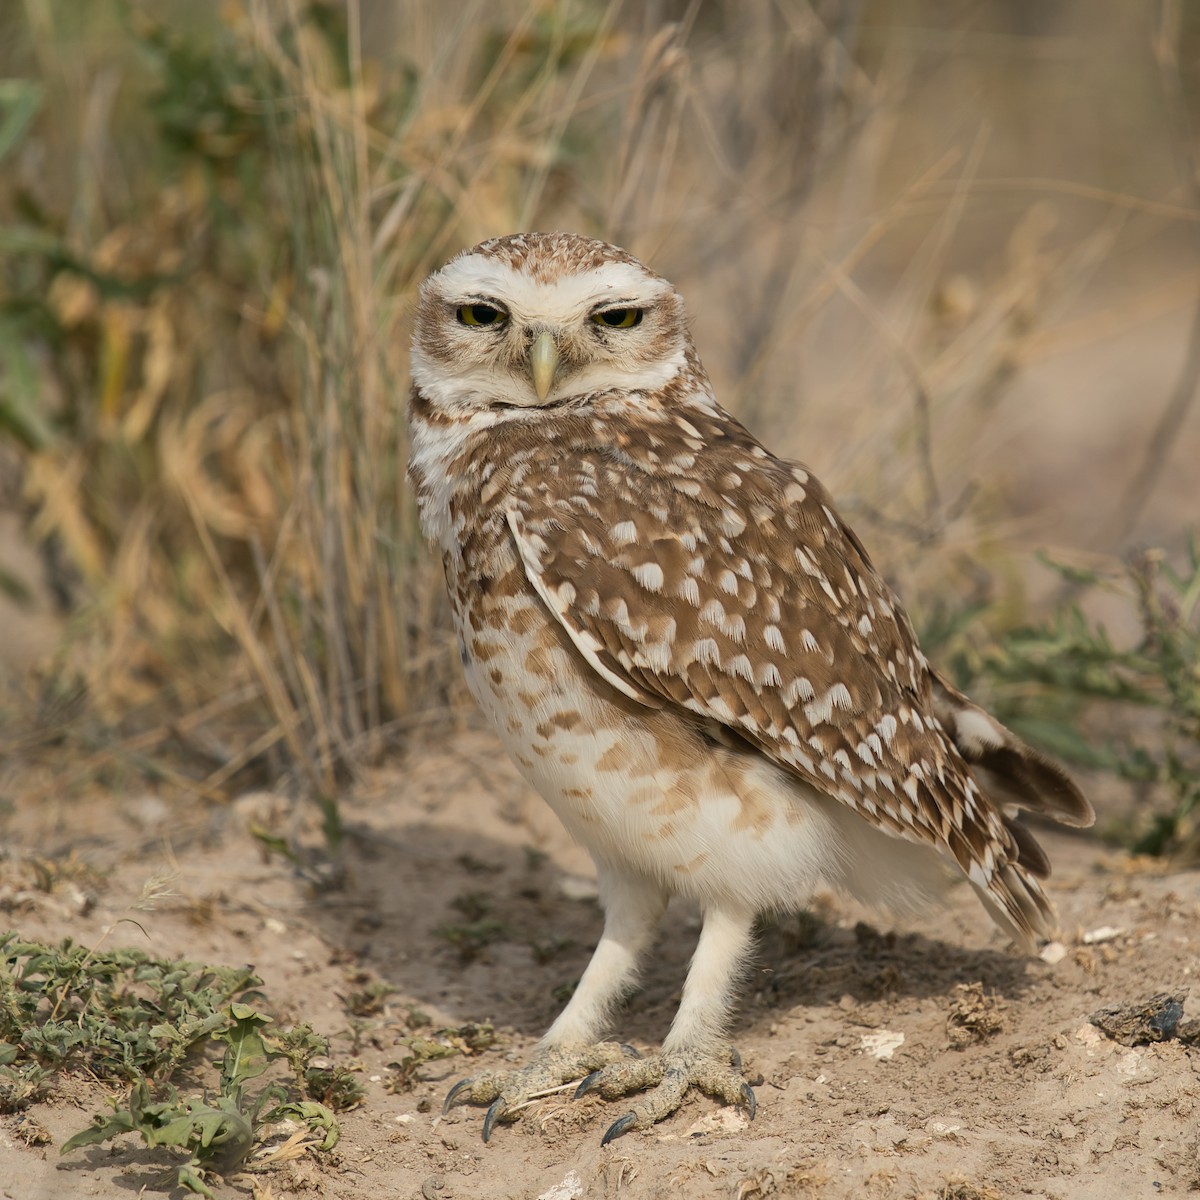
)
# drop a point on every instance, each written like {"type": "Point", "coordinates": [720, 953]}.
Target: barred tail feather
{"type": "Point", "coordinates": [1016, 902]}
{"type": "Point", "coordinates": [1013, 776]}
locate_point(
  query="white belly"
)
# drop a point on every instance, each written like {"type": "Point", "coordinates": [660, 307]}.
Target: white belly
{"type": "Point", "coordinates": [646, 795]}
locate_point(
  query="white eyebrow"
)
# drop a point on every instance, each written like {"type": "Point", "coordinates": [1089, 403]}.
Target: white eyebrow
{"type": "Point", "coordinates": [479, 276]}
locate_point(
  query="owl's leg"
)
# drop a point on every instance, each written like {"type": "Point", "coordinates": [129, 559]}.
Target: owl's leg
{"type": "Point", "coordinates": [570, 1048]}
{"type": "Point", "coordinates": [632, 910]}
{"type": "Point", "coordinates": [695, 1053]}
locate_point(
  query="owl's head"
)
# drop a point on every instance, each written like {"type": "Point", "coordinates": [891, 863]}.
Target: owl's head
{"type": "Point", "coordinates": [536, 321]}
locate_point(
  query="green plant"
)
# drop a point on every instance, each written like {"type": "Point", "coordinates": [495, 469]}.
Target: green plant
{"type": "Point", "coordinates": [1048, 680]}
{"type": "Point", "coordinates": [118, 1014]}
{"type": "Point", "coordinates": [1170, 607]}
{"type": "Point", "coordinates": [472, 938]}
{"type": "Point", "coordinates": [122, 1016]}
{"type": "Point", "coordinates": [217, 1132]}
{"type": "Point", "coordinates": [418, 1049]}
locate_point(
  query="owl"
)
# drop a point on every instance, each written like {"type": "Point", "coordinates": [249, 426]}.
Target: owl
{"type": "Point", "coordinates": [688, 653]}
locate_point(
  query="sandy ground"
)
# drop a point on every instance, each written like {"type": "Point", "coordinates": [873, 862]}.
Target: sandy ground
{"type": "Point", "coordinates": [881, 1076]}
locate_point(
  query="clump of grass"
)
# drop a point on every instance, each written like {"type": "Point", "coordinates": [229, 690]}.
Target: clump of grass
{"type": "Point", "coordinates": [974, 1015]}
{"type": "Point", "coordinates": [466, 1040]}
{"type": "Point", "coordinates": [471, 938]}
{"type": "Point", "coordinates": [369, 1000]}
{"type": "Point", "coordinates": [203, 343]}
{"type": "Point", "coordinates": [473, 905]}
{"type": "Point", "coordinates": [121, 1016]}
{"type": "Point", "coordinates": [1049, 679]}
{"type": "Point", "coordinates": [546, 949]}
{"type": "Point", "coordinates": [202, 384]}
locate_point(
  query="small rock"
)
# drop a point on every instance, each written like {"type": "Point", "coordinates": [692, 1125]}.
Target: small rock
{"type": "Point", "coordinates": [722, 1120]}
{"type": "Point", "coordinates": [1105, 933]}
{"type": "Point", "coordinates": [881, 1043]}
{"type": "Point", "coordinates": [570, 1188]}
{"type": "Point", "coordinates": [942, 1129]}
{"type": "Point", "coordinates": [1053, 952]}
{"type": "Point", "coordinates": [1155, 1020]}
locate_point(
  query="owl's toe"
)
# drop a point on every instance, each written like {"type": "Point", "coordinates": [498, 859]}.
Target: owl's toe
{"type": "Point", "coordinates": [495, 1111]}
{"type": "Point", "coordinates": [507, 1092]}
{"type": "Point", "coordinates": [460, 1093]}
{"type": "Point", "coordinates": [669, 1077]}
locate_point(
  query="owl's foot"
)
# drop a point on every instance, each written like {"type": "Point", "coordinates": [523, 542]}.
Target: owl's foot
{"type": "Point", "coordinates": [507, 1091]}
{"type": "Point", "coordinates": [669, 1076]}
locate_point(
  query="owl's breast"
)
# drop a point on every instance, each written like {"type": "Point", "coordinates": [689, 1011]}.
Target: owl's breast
{"type": "Point", "coordinates": [519, 666]}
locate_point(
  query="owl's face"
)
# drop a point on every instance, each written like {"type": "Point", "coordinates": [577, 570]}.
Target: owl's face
{"type": "Point", "coordinates": [534, 322]}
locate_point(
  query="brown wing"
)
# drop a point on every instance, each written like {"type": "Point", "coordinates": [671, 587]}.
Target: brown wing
{"type": "Point", "coordinates": [731, 588]}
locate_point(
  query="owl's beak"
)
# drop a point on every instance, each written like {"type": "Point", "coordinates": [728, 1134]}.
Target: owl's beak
{"type": "Point", "coordinates": [543, 363]}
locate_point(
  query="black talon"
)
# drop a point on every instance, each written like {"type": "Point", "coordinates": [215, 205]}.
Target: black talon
{"type": "Point", "coordinates": [495, 1111]}
{"type": "Point", "coordinates": [630, 1051]}
{"type": "Point", "coordinates": [618, 1127]}
{"type": "Point", "coordinates": [587, 1083]}
{"type": "Point", "coordinates": [735, 1059]}
{"type": "Point", "coordinates": [453, 1094]}
{"type": "Point", "coordinates": [748, 1099]}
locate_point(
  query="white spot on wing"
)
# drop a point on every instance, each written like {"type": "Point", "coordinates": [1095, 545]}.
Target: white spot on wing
{"type": "Point", "coordinates": [798, 689]}
{"type": "Point", "coordinates": [732, 521]}
{"type": "Point", "coordinates": [975, 730]}
{"type": "Point", "coordinates": [649, 575]}
{"type": "Point", "coordinates": [654, 655]}
{"type": "Point", "coordinates": [740, 665]}
{"type": "Point", "coordinates": [714, 613]}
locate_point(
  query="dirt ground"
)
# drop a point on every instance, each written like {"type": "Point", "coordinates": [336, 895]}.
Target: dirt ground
{"type": "Point", "coordinates": [881, 1074]}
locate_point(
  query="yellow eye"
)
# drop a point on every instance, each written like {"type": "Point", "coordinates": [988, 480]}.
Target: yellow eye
{"type": "Point", "coordinates": [618, 318]}
{"type": "Point", "coordinates": [481, 314]}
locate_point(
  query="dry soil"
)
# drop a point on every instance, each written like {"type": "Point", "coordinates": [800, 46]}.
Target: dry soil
{"type": "Point", "coordinates": [927, 1061]}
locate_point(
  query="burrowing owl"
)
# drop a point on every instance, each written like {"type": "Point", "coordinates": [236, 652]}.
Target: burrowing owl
{"type": "Point", "coordinates": [686, 651]}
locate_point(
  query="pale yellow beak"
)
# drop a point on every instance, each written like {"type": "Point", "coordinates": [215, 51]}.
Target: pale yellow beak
{"type": "Point", "coordinates": [543, 363]}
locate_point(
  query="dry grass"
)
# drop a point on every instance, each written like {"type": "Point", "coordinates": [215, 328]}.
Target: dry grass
{"type": "Point", "coordinates": [214, 226]}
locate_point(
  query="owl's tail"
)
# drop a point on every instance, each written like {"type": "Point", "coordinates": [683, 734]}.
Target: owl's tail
{"type": "Point", "coordinates": [1013, 776]}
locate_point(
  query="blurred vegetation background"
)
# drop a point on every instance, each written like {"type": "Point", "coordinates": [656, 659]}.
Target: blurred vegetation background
{"type": "Point", "coordinates": [947, 252]}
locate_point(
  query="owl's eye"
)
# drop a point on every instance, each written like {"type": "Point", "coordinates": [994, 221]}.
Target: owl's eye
{"type": "Point", "coordinates": [481, 314]}
{"type": "Point", "coordinates": [618, 318]}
